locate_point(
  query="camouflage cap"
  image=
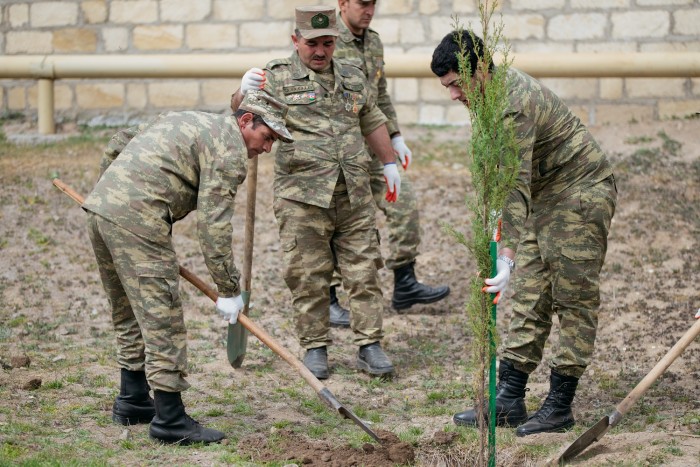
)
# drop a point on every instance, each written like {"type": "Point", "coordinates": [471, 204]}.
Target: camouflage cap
{"type": "Point", "coordinates": [316, 21]}
{"type": "Point", "coordinates": [272, 111]}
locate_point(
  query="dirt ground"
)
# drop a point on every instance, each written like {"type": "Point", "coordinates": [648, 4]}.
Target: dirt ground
{"type": "Point", "coordinates": [59, 377]}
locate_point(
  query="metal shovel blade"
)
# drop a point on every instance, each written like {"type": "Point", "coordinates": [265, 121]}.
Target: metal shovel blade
{"type": "Point", "coordinates": [330, 399]}
{"type": "Point", "coordinates": [591, 435]}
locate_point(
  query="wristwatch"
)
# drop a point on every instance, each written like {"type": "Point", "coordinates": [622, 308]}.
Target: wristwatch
{"type": "Point", "coordinates": [508, 261]}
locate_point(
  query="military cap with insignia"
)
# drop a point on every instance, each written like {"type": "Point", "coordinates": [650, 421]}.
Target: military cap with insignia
{"type": "Point", "coordinates": [316, 21]}
{"type": "Point", "coordinates": [272, 111]}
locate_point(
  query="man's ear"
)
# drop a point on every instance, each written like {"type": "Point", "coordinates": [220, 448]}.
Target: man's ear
{"type": "Point", "coordinates": [244, 119]}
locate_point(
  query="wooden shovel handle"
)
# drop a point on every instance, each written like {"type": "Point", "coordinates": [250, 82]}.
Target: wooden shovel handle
{"type": "Point", "coordinates": [69, 191]}
{"type": "Point", "coordinates": [659, 368]}
{"type": "Point", "coordinates": [249, 235]}
{"type": "Point", "coordinates": [258, 332]}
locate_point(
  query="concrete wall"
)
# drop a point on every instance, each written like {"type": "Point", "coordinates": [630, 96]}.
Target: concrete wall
{"type": "Point", "coordinates": [225, 26]}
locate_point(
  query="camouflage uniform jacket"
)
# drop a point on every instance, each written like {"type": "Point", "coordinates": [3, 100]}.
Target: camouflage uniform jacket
{"type": "Point", "coordinates": [328, 127]}
{"type": "Point", "coordinates": [156, 174]}
{"type": "Point", "coordinates": [558, 154]}
{"type": "Point", "coordinates": [368, 54]}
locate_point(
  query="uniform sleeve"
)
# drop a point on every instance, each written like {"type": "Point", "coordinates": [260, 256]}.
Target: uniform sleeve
{"type": "Point", "coordinates": [215, 203]}
{"type": "Point", "coordinates": [385, 105]}
{"type": "Point", "coordinates": [272, 86]}
{"type": "Point", "coordinates": [517, 204]}
{"type": "Point", "coordinates": [371, 117]}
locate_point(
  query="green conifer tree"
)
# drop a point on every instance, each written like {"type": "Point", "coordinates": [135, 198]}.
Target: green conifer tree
{"type": "Point", "coordinates": [493, 163]}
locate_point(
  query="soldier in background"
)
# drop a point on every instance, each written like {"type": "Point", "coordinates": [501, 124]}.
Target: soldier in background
{"type": "Point", "coordinates": [361, 45]}
{"type": "Point", "coordinates": [323, 200]}
{"type": "Point", "coordinates": [152, 176]}
{"type": "Point", "coordinates": [557, 219]}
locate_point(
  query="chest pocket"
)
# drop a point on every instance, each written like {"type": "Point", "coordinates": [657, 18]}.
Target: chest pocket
{"type": "Point", "coordinates": [299, 94]}
{"type": "Point", "coordinates": [354, 96]}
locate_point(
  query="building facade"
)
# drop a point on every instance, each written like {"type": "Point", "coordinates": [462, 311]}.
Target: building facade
{"type": "Point", "coordinates": [118, 27]}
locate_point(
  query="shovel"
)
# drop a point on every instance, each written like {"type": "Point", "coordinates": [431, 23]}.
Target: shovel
{"type": "Point", "coordinates": [237, 337]}
{"type": "Point", "coordinates": [597, 431]}
{"type": "Point", "coordinates": [322, 391]}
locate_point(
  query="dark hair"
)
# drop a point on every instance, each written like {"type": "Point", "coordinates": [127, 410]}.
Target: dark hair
{"type": "Point", "coordinates": [446, 53]}
{"type": "Point", "coordinates": [257, 119]}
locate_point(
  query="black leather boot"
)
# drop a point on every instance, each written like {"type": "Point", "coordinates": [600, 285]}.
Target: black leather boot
{"type": "Point", "coordinates": [510, 399]}
{"type": "Point", "coordinates": [555, 415]}
{"type": "Point", "coordinates": [133, 404]}
{"type": "Point", "coordinates": [372, 359]}
{"type": "Point", "coordinates": [408, 291]}
{"type": "Point", "coordinates": [340, 317]}
{"type": "Point", "coordinates": [316, 360]}
{"type": "Point", "coordinates": [172, 425]}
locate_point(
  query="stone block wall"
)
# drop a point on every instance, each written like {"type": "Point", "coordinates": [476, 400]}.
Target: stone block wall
{"type": "Point", "coordinates": [120, 27]}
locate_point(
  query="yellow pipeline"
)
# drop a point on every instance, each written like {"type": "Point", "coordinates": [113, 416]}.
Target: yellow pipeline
{"type": "Point", "coordinates": [47, 68]}
{"type": "Point", "coordinates": [542, 65]}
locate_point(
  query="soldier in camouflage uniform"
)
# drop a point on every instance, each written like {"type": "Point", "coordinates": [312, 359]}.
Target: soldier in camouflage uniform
{"type": "Point", "coordinates": [557, 219]}
{"type": "Point", "coordinates": [152, 176]}
{"type": "Point", "coordinates": [362, 46]}
{"type": "Point", "coordinates": [323, 200]}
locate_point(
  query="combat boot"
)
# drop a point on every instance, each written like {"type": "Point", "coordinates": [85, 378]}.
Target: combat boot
{"type": "Point", "coordinates": [172, 425]}
{"type": "Point", "coordinates": [408, 291]}
{"type": "Point", "coordinates": [340, 317]}
{"type": "Point", "coordinates": [372, 359]}
{"type": "Point", "coordinates": [555, 415]}
{"type": "Point", "coordinates": [510, 400]}
{"type": "Point", "coordinates": [133, 404]}
{"type": "Point", "coordinates": [316, 360]}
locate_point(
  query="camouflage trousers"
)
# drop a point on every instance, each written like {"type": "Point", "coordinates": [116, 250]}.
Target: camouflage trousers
{"type": "Point", "coordinates": [140, 279]}
{"type": "Point", "coordinates": [559, 259]}
{"type": "Point", "coordinates": [313, 239]}
{"type": "Point", "coordinates": [402, 219]}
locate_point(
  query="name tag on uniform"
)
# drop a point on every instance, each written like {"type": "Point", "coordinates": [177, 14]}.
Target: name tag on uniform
{"type": "Point", "coordinates": [298, 88]}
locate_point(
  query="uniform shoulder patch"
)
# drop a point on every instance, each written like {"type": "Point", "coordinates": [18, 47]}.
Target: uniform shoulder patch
{"type": "Point", "coordinates": [278, 61]}
{"type": "Point", "coordinates": [372, 32]}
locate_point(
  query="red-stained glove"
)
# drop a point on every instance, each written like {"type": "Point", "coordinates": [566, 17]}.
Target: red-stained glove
{"type": "Point", "coordinates": [404, 154]}
{"type": "Point", "coordinates": [498, 283]}
{"type": "Point", "coordinates": [697, 315]}
{"type": "Point", "coordinates": [393, 182]}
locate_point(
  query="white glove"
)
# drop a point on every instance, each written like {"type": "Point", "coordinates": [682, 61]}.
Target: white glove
{"type": "Point", "coordinates": [405, 154]}
{"type": "Point", "coordinates": [499, 282]}
{"type": "Point", "coordinates": [229, 307]}
{"type": "Point", "coordinates": [253, 79]}
{"type": "Point", "coordinates": [697, 315]}
{"type": "Point", "coordinates": [393, 182]}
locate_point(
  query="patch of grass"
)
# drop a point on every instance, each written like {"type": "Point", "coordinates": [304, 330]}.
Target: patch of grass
{"type": "Point", "coordinates": [669, 145]}
{"type": "Point", "coordinates": [39, 238]}
{"type": "Point", "coordinates": [10, 452]}
{"type": "Point", "coordinates": [639, 139]}
{"type": "Point", "coordinates": [214, 412]}
{"type": "Point", "coordinates": [54, 384]}
{"type": "Point", "coordinates": [607, 382]}
{"type": "Point", "coordinates": [411, 435]}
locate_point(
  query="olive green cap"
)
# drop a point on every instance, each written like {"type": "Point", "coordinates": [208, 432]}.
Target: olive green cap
{"type": "Point", "coordinates": [272, 111]}
{"type": "Point", "coordinates": [316, 21]}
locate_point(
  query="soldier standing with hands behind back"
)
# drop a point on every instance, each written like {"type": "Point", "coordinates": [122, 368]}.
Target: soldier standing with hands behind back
{"type": "Point", "coordinates": [361, 45]}
{"type": "Point", "coordinates": [151, 177]}
{"type": "Point", "coordinates": [323, 200]}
